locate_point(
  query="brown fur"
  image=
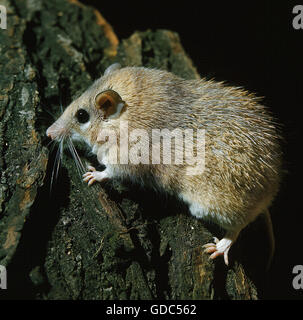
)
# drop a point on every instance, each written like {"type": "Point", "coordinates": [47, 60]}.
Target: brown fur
{"type": "Point", "coordinates": [243, 157]}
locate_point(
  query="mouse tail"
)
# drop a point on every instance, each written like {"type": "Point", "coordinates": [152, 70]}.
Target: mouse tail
{"type": "Point", "coordinates": [270, 232]}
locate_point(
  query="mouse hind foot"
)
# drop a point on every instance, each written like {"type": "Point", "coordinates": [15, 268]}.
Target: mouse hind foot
{"type": "Point", "coordinates": [221, 247]}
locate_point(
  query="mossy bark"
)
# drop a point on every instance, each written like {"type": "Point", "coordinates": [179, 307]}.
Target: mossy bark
{"type": "Point", "coordinates": [73, 242]}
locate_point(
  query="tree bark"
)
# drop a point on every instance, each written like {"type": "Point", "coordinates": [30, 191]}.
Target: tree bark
{"type": "Point", "coordinates": [114, 241]}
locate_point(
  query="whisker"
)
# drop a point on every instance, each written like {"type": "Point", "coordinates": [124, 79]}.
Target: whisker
{"type": "Point", "coordinates": [57, 161]}
{"type": "Point", "coordinates": [55, 169]}
{"type": "Point", "coordinates": [78, 161]}
{"type": "Point", "coordinates": [79, 164]}
{"type": "Point", "coordinates": [49, 113]}
{"type": "Point", "coordinates": [73, 155]}
{"type": "Point", "coordinates": [51, 145]}
{"type": "Point", "coordinates": [59, 158]}
{"type": "Point", "coordinates": [76, 154]}
{"type": "Point", "coordinates": [60, 100]}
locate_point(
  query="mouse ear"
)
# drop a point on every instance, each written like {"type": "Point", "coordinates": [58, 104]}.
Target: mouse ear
{"type": "Point", "coordinates": [112, 68]}
{"type": "Point", "coordinates": [110, 103]}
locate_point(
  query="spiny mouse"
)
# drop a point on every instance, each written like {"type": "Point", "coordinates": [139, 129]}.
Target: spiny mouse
{"type": "Point", "coordinates": [242, 154]}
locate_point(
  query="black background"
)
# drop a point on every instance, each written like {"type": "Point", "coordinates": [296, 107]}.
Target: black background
{"type": "Point", "coordinates": [251, 45]}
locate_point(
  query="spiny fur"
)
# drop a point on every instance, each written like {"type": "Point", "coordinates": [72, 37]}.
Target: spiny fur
{"type": "Point", "coordinates": [242, 149]}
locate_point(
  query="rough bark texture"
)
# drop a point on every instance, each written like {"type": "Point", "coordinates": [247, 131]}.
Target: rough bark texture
{"type": "Point", "coordinates": [75, 242]}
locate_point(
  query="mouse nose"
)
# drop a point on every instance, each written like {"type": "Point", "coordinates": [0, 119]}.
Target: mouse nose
{"type": "Point", "coordinates": [50, 133]}
{"type": "Point", "coordinates": [54, 132]}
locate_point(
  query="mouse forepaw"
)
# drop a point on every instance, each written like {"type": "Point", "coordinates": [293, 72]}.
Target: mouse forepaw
{"type": "Point", "coordinates": [92, 176]}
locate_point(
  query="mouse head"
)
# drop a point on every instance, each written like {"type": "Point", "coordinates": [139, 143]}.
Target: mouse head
{"type": "Point", "coordinates": [85, 116]}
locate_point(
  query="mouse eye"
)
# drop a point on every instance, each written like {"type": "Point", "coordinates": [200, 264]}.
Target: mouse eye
{"type": "Point", "coordinates": [82, 116]}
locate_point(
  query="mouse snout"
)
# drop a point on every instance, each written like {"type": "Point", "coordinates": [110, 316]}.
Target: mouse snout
{"type": "Point", "coordinates": [55, 132]}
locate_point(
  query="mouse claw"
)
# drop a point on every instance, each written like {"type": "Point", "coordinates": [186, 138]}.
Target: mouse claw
{"type": "Point", "coordinates": [216, 240]}
{"type": "Point", "coordinates": [91, 181]}
{"type": "Point", "coordinates": [86, 178]}
{"type": "Point", "coordinates": [86, 175]}
{"type": "Point", "coordinates": [211, 247]}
